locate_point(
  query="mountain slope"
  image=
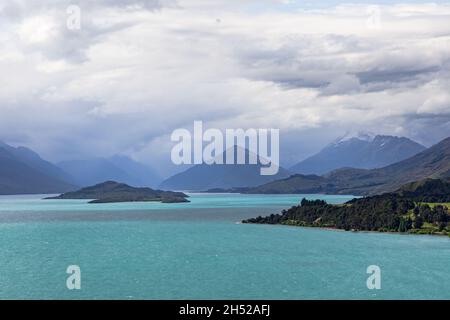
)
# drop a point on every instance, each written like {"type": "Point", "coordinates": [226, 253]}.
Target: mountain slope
{"type": "Point", "coordinates": [434, 162]}
{"type": "Point", "coordinates": [33, 160]}
{"type": "Point", "coordinates": [430, 163]}
{"type": "Point", "coordinates": [18, 177]}
{"type": "Point", "coordinates": [427, 190]}
{"type": "Point", "coordinates": [118, 168]}
{"type": "Point", "coordinates": [295, 184]}
{"type": "Point", "coordinates": [359, 152]}
{"type": "Point", "coordinates": [203, 177]}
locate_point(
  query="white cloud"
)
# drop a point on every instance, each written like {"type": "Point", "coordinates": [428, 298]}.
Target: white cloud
{"type": "Point", "coordinates": [138, 69]}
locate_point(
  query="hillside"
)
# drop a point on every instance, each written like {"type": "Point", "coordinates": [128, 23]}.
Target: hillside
{"type": "Point", "coordinates": [295, 184]}
{"type": "Point", "coordinates": [433, 162]}
{"type": "Point", "coordinates": [34, 160]}
{"type": "Point", "coordinates": [23, 172]}
{"type": "Point", "coordinates": [428, 190]}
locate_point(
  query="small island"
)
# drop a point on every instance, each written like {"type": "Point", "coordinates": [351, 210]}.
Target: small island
{"type": "Point", "coordinates": [111, 191]}
{"type": "Point", "coordinates": [421, 208]}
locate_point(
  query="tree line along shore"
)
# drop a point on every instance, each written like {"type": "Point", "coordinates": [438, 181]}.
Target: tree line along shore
{"type": "Point", "coordinates": [420, 208]}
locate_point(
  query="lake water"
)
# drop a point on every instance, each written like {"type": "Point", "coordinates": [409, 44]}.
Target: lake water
{"type": "Point", "coordinates": [198, 250]}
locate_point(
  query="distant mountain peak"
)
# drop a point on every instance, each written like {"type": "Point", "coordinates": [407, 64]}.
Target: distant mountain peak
{"type": "Point", "coordinates": [364, 150]}
{"type": "Point", "coordinates": [430, 164]}
{"type": "Point", "coordinates": [204, 176]}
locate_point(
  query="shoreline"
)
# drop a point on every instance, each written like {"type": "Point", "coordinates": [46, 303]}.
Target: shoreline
{"type": "Point", "coordinates": [351, 231]}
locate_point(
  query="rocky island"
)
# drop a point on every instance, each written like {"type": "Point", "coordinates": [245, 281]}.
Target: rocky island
{"type": "Point", "coordinates": [111, 191]}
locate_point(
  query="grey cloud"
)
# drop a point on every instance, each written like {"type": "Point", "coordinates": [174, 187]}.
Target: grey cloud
{"type": "Point", "coordinates": [392, 75]}
{"type": "Point", "coordinates": [154, 71]}
{"type": "Point", "coordinates": [321, 62]}
{"type": "Point", "coordinates": [420, 127]}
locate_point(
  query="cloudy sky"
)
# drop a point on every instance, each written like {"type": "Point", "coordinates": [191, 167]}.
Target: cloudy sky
{"type": "Point", "coordinates": [137, 70]}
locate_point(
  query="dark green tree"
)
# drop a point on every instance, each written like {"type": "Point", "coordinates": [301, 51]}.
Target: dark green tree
{"type": "Point", "coordinates": [418, 222]}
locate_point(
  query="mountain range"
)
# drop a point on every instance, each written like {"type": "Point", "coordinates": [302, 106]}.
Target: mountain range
{"type": "Point", "coordinates": [433, 162]}
{"type": "Point", "coordinates": [363, 151]}
{"type": "Point", "coordinates": [22, 171]}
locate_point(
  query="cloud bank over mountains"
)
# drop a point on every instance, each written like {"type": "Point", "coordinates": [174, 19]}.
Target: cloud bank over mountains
{"type": "Point", "coordinates": [136, 70]}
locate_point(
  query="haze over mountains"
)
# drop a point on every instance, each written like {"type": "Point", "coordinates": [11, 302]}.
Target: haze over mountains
{"type": "Point", "coordinates": [363, 151]}
{"type": "Point", "coordinates": [23, 171]}
{"type": "Point", "coordinates": [117, 168]}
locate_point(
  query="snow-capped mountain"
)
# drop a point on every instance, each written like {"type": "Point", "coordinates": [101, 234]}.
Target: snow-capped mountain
{"type": "Point", "coordinates": [361, 135]}
{"type": "Point", "coordinates": [364, 150]}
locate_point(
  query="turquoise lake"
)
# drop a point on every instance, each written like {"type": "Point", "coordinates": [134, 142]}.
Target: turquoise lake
{"type": "Point", "coordinates": [199, 250]}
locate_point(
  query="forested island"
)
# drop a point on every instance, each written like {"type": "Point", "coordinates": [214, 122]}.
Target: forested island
{"type": "Point", "coordinates": [421, 207]}
{"type": "Point", "coordinates": [111, 191]}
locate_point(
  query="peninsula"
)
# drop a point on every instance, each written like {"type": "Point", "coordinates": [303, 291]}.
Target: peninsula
{"type": "Point", "coordinates": [421, 207]}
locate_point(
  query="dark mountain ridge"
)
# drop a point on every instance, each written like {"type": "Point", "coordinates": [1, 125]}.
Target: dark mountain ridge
{"type": "Point", "coordinates": [34, 161]}
{"type": "Point", "coordinates": [23, 172]}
